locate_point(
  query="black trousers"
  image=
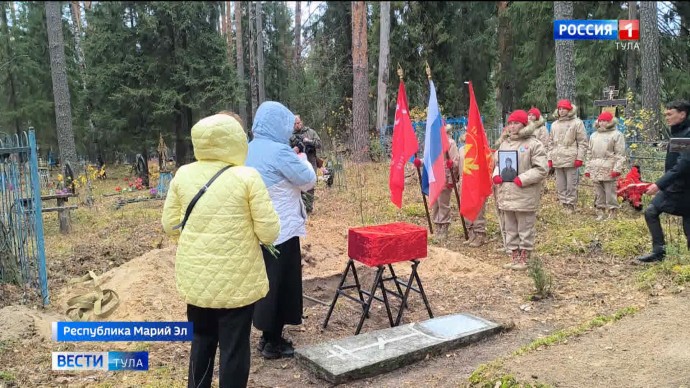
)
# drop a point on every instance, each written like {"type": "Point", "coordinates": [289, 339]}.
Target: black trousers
{"type": "Point", "coordinates": [283, 303]}
{"type": "Point", "coordinates": [670, 203]}
{"type": "Point", "coordinates": [229, 328]}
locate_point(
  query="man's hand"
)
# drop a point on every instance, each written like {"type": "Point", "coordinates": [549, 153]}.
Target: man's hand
{"type": "Point", "coordinates": [296, 149]}
{"type": "Point", "coordinates": [653, 189]}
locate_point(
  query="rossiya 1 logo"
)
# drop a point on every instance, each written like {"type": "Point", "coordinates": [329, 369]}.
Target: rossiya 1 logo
{"type": "Point", "coordinates": [626, 33]}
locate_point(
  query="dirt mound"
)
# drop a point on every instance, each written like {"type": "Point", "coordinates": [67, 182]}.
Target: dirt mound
{"type": "Point", "coordinates": [441, 262]}
{"type": "Point", "coordinates": [145, 285]}
{"type": "Point", "coordinates": [21, 322]}
{"type": "Point", "coordinates": [15, 323]}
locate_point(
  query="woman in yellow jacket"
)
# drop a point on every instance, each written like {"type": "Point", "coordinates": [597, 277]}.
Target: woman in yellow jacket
{"type": "Point", "coordinates": [219, 268]}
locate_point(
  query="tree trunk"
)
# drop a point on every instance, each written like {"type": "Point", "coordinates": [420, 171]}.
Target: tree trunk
{"type": "Point", "coordinates": [384, 49]}
{"type": "Point", "coordinates": [223, 26]}
{"type": "Point", "coordinates": [237, 24]}
{"type": "Point", "coordinates": [565, 55]}
{"type": "Point", "coordinates": [76, 13]}
{"type": "Point", "coordinates": [11, 67]}
{"type": "Point", "coordinates": [682, 8]}
{"type": "Point", "coordinates": [76, 31]}
{"type": "Point", "coordinates": [360, 85]}
{"type": "Point", "coordinates": [298, 31]}
{"type": "Point", "coordinates": [260, 53]}
{"type": "Point", "coordinates": [87, 5]}
{"type": "Point", "coordinates": [58, 69]}
{"type": "Point", "coordinates": [180, 144]}
{"type": "Point", "coordinates": [503, 90]}
{"type": "Point", "coordinates": [228, 33]}
{"type": "Point", "coordinates": [649, 36]}
{"type": "Point", "coordinates": [13, 13]}
{"type": "Point", "coordinates": [253, 84]}
{"type": "Point", "coordinates": [631, 73]}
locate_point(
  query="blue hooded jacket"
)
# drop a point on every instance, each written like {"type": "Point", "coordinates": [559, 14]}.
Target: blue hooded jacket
{"type": "Point", "coordinates": [285, 173]}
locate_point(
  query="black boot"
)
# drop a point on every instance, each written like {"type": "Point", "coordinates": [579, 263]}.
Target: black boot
{"type": "Point", "coordinates": [658, 254]}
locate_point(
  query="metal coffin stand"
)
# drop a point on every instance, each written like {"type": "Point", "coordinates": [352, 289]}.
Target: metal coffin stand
{"type": "Point", "coordinates": [365, 298]}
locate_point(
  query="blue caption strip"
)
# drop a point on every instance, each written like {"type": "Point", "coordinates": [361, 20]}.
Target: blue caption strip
{"type": "Point", "coordinates": [122, 331]}
{"type": "Point", "coordinates": [108, 361]}
{"type": "Point", "coordinates": [585, 29]}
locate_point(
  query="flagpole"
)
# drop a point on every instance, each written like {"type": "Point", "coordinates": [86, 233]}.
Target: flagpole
{"type": "Point", "coordinates": [498, 211]}
{"type": "Point", "coordinates": [419, 174]}
{"type": "Point", "coordinates": [455, 185]}
{"type": "Point", "coordinates": [457, 198]}
{"type": "Point", "coordinates": [426, 206]}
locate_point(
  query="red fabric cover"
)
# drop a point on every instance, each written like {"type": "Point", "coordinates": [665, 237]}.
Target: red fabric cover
{"type": "Point", "coordinates": [388, 243]}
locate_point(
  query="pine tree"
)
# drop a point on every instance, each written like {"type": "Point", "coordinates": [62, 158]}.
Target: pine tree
{"type": "Point", "coordinates": [58, 66]}
{"type": "Point", "coordinates": [241, 80]}
{"type": "Point", "coordinates": [384, 42]}
{"type": "Point", "coordinates": [649, 36]}
{"type": "Point", "coordinates": [565, 55]}
{"type": "Point", "coordinates": [360, 87]}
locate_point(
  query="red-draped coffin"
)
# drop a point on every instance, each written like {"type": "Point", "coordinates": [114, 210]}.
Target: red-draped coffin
{"type": "Point", "coordinates": [386, 244]}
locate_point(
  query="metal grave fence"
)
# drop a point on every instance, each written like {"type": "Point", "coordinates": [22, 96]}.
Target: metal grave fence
{"type": "Point", "coordinates": [22, 249]}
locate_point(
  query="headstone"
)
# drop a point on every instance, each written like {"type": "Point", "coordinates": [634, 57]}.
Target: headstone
{"type": "Point", "coordinates": [382, 351]}
{"type": "Point", "coordinates": [69, 178]}
{"type": "Point", "coordinates": [142, 169]}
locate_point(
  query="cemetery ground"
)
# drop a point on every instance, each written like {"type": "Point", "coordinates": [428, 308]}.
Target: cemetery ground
{"type": "Point", "coordinates": [606, 322]}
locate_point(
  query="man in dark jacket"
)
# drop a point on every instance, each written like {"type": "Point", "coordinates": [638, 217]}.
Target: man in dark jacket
{"type": "Point", "coordinates": [673, 188]}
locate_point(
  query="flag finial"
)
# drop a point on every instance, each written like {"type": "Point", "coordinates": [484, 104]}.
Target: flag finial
{"type": "Point", "coordinates": [428, 70]}
{"type": "Point", "coordinates": [400, 72]}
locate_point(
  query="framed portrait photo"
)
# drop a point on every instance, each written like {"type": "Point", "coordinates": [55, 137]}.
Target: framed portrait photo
{"type": "Point", "coordinates": [508, 165]}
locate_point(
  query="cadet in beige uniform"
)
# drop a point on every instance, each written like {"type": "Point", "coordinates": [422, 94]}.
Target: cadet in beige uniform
{"type": "Point", "coordinates": [440, 211]}
{"type": "Point", "coordinates": [567, 149]}
{"type": "Point", "coordinates": [605, 163]}
{"type": "Point", "coordinates": [519, 200]}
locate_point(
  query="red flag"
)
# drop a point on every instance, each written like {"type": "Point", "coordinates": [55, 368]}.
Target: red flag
{"type": "Point", "coordinates": [403, 148]}
{"type": "Point", "coordinates": [476, 174]}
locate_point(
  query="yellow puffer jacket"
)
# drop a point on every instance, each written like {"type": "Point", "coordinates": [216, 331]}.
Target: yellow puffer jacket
{"type": "Point", "coordinates": [568, 140]}
{"type": "Point", "coordinates": [219, 261]}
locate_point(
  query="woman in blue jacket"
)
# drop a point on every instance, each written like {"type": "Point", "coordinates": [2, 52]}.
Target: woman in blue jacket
{"type": "Point", "coordinates": [286, 175]}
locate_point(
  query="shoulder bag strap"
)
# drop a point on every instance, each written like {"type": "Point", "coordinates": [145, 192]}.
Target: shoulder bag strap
{"type": "Point", "coordinates": [196, 198]}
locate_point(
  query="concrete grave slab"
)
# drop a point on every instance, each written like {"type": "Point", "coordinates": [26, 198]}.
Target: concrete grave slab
{"type": "Point", "coordinates": [382, 351]}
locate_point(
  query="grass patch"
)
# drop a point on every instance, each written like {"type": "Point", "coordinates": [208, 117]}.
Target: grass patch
{"type": "Point", "coordinates": [674, 269]}
{"type": "Point", "coordinates": [6, 376]}
{"type": "Point", "coordinates": [491, 374]}
{"type": "Point", "coordinates": [561, 335]}
{"type": "Point", "coordinates": [480, 379]}
{"type": "Point", "coordinates": [5, 346]}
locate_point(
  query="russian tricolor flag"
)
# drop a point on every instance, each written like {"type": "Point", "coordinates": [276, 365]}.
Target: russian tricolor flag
{"type": "Point", "coordinates": [435, 147]}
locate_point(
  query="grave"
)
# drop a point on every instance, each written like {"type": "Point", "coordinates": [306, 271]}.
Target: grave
{"type": "Point", "coordinates": [382, 351]}
{"type": "Point", "coordinates": [609, 103]}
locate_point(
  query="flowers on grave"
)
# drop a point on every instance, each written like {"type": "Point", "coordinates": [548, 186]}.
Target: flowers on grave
{"type": "Point", "coordinates": [132, 185]}
{"type": "Point", "coordinates": [118, 189]}
{"type": "Point", "coordinates": [153, 192]}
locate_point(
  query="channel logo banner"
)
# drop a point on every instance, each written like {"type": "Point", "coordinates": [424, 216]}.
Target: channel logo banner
{"type": "Point", "coordinates": [122, 331]}
{"type": "Point", "coordinates": [108, 361]}
{"type": "Point", "coordinates": [585, 29]}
